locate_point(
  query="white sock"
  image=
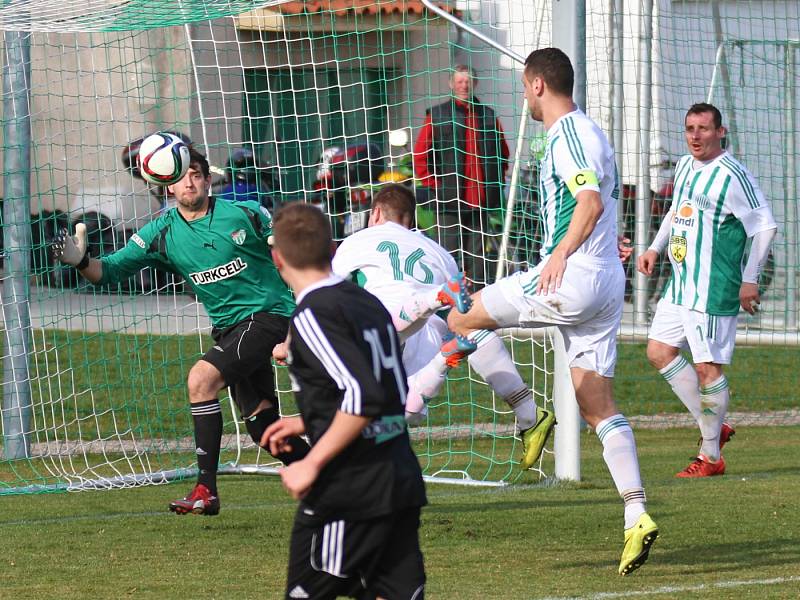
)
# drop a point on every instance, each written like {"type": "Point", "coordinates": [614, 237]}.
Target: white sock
{"type": "Point", "coordinates": [411, 316]}
{"type": "Point", "coordinates": [619, 452]}
{"type": "Point", "coordinates": [416, 408]}
{"type": "Point", "coordinates": [493, 363]}
{"type": "Point", "coordinates": [427, 382]}
{"type": "Point", "coordinates": [715, 397]}
{"type": "Point", "coordinates": [682, 377]}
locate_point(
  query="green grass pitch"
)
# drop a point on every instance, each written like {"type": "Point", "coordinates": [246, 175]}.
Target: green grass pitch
{"type": "Point", "coordinates": [734, 536]}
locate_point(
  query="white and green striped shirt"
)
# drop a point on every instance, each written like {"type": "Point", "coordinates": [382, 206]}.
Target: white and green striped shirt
{"type": "Point", "coordinates": [578, 157]}
{"type": "Point", "coordinates": [716, 206]}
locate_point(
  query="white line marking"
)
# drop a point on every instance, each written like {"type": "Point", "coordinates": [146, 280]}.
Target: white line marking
{"type": "Point", "coordinates": [671, 589]}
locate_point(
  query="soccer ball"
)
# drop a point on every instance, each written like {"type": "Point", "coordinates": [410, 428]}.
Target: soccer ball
{"type": "Point", "coordinates": [163, 158]}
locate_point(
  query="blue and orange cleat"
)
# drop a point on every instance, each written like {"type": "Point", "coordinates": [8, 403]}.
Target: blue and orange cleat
{"type": "Point", "coordinates": [456, 348]}
{"type": "Point", "coordinates": [454, 293]}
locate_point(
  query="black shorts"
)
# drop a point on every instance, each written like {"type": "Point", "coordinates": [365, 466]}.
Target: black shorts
{"type": "Point", "coordinates": [243, 354]}
{"type": "Point", "coordinates": [360, 559]}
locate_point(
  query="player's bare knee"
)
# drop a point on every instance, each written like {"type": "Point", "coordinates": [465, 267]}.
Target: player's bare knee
{"type": "Point", "coordinates": [660, 355]}
{"type": "Point", "coordinates": [204, 381]}
{"type": "Point", "coordinates": [708, 372]}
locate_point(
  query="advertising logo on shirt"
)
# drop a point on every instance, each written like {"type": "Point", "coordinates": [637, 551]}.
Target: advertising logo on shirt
{"type": "Point", "coordinates": [685, 216]}
{"type": "Point", "coordinates": [214, 274]}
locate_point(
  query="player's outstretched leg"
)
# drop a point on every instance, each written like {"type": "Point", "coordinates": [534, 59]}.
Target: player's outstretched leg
{"type": "Point", "coordinates": [534, 439]}
{"type": "Point", "coordinates": [411, 315]}
{"type": "Point", "coordinates": [638, 541]}
{"type": "Point", "coordinates": [454, 293]}
{"type": "Point", "coordinates": [200, 501]}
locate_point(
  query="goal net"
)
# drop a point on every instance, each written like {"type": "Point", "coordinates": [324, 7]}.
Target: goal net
{"type": "Point", "coordinates": [322, 101]}
{"type": "Point", "coordinates": [290, 102]}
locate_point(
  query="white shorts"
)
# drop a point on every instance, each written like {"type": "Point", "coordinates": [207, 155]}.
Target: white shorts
{"type": "Point", "coordinates": [710, 338]}
{"type": "Point", "coordinates": [587, 308]}
{"type": "Point", "coordinates": [421, 347]}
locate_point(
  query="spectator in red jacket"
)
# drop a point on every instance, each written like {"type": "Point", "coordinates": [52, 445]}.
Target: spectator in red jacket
{"type": "Point", "coordinates": [461, 157]}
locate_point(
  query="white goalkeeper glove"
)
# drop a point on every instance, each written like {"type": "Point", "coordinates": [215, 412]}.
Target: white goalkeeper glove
{"type": "Point", "coordinates": [71, 250]}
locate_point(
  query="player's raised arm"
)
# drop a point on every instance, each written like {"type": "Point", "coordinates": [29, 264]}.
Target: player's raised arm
{"type": "Point", "coordinates": [72, 250]}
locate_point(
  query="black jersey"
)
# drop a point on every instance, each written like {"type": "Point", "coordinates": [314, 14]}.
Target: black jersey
{"type": "Point", "coordinates": [345, 356]}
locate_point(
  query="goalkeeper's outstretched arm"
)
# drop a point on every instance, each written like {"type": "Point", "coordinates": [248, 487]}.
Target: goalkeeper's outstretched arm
{"type": "Point", "coordinates": [71, 250]}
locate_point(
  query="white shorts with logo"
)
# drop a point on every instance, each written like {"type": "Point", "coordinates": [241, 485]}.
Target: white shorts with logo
{"type": "Point", "coordinates": [710, 338]}
{"type": "Point", "coordinates": [421, 347]}
{"type": "Point", "coordinates": [587, 308]}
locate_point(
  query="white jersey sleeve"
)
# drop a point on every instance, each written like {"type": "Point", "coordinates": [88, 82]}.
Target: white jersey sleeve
{"type": "Point", "coordinates": [576, 161]}
{"type": "Point", "coordinates": [346, 260]}
{"type": "Point", "coordinates": [578, 158]}
{"type": "Point", "coordinates": [747, 201]}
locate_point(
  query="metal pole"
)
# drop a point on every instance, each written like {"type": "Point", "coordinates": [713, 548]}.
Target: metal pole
{"type": "Point", "coordinates": [724, 74]}
{"type": "Point", "coordinates": [790, 173]}
{"type": "Point", "coordinates": [569, 20]}
{"type": "Point", "coordinates": [471, 30]}
{"type": "Point", "coordinates": [643, 151]}
{"type": "Point", "coordinates": [618, 98]}
{"type": "Point", "coordinates": [512, 193]}
{"type": "Point", "coordinates": [567, 440]}
{"type": "Point", "coordinates": [17, 409]}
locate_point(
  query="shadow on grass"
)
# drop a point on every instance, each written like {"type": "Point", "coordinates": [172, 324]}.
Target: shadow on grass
{"type": "Point", "coordinates": [699, 558]}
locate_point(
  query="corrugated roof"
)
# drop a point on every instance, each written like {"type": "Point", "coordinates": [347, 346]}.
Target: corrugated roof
{"type": "Point", "coordinates": [361, 7]}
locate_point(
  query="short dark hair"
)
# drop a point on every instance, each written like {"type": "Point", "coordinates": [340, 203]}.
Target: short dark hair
{"type": "Point", "coordinates": [553, 66]}
{"type": "Point", "coordinates": [302, 234]}
{"type": "Point", "coordinates": [397, 202]}
{"type": "Point", "coordinates": [196, 159]}
{"type": "Point", "coordinates": [704, 107]}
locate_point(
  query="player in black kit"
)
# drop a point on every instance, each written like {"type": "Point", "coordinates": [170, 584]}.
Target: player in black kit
{"type": "Point", "coordinates": [360, 487]}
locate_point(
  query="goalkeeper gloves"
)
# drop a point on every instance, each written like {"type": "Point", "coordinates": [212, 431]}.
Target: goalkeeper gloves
{"type": "Point", "coordinates": [71, 250]}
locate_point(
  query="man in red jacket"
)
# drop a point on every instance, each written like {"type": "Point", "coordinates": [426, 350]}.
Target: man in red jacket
{"type": "Point", "coordinates": [461, 156]}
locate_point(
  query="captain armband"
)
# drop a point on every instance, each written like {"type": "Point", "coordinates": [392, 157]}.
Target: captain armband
{"type": "Point", "coordinates": [583, 180]}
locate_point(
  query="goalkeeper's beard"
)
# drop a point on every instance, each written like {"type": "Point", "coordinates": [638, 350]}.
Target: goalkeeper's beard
{"type": "Point", "coordinates": [192, 204]}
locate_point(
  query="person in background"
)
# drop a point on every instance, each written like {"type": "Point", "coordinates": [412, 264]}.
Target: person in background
{"type": "Point", "coordinates": [461, 157]}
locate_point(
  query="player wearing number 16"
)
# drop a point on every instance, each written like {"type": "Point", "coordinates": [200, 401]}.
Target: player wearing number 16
{"type": "Point", "coordinates": [716, 209]}
{"type": "Point", "coordinates": [360, 486]}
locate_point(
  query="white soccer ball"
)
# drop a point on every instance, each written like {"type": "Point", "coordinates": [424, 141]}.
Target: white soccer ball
{"type": "Point", "coordinates": [163, 158]}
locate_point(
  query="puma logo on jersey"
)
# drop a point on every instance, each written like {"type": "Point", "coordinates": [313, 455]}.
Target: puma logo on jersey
{"type": "Point", "coordinates": [214, 274]}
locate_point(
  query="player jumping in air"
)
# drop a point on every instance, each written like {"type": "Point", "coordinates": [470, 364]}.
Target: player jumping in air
{"type": "Point", "coordinates": [409, 273]}
{"type": "Point", "coordinates": [578, 285]}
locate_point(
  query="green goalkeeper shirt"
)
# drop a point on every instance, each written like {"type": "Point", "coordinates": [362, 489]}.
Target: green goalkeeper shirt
{"type": "Point", "coordinates": [223, 255]}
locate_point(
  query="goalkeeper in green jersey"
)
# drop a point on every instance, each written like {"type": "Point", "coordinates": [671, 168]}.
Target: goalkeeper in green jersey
{"type": "Point", "coordinates": [221, 250]}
